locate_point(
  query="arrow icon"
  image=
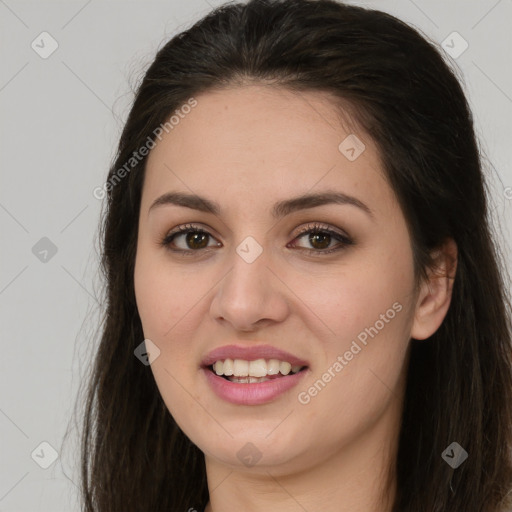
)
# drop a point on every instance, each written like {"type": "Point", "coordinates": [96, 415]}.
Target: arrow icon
{"type": "Point", "coordinates": [454, 455]}
{"type": "Point", "coordinates": [147, 352]}
{"type": "Point", "coordinates": [44, 45]}
{"type": "Point", "coordinates": [454, 45]}
{"type": "Point", "coordinates": [249, 253]}
{"type": "Point", "coordinates": [44, 455]}
{"type": "Point", "coordinates": [44, 250]}
{"type": "Point", "coordinates": [249, 454]}
{"type": "Point", "coordinates": [351, 147]}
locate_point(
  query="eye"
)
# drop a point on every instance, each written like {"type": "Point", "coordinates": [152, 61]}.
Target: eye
{"type": "Point", "coordinates": [320, 238]}
{"type": "Point", "coordinates": [194, 239]}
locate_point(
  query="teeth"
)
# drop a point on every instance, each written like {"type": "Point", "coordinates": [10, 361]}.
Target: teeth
{"type": "Point", "coordinates": [285, 368]}
{"type": "Point", "coordinates": [273, 367]}
{"type": "Point", "coordinates": [247, 380]}
{"type": "Point", "coordinates": [240, 368]}
{"type": "Point", "coordinates": [218, 367]}
{"type": "Point", "coordinates": [258, 368]}
{"type": "Point", "coordinates": [228, 367]}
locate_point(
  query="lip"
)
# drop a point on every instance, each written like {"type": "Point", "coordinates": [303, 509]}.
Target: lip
{"type": "Point", "coordinates": [256, 393]}
{"type": "Point", "coordinates": [251, 394]}
{"type": "Point", "coordinates": [250, 354]}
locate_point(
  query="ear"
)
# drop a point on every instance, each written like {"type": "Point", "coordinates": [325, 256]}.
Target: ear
{"type": "Point", "coordinates": [435, 293]}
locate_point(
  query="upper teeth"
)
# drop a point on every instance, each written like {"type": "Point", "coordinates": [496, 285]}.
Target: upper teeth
{"type": "Point", "coordinates": [257, 368]}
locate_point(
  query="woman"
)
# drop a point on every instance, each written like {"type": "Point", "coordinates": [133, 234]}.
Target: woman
{"type": "Point", "coordinates": [305, 307]}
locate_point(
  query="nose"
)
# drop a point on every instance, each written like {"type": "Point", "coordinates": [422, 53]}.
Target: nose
{"type": "Point", "coordinates": [250, 295]}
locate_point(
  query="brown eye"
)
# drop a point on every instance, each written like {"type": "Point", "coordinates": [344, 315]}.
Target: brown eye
{"type": "Point", "coordinates": [196, 240]}
{"type": "Point", "coordinates": [319, 239]}
{"type": "Point", "coordinates": [192, 239]}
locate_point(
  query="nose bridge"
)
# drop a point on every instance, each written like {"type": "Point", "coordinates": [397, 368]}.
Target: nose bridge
{"type": "Point", "coordinates": [249, 268]}
{"type": "Point", "coordinates": [249, 292]}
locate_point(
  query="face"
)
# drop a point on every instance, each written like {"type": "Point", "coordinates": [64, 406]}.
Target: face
{"type": "Point", "coordinates": [325, 284]}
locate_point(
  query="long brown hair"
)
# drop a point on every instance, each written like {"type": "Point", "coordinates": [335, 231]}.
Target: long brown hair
{"type": "Point", "coordinates": [459, 386]}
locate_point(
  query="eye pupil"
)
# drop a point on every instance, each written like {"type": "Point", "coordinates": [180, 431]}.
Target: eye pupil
{"type": "Point", "coordinates": [323, 238]}
{"type": "Point", "coordinates": [192, 239]}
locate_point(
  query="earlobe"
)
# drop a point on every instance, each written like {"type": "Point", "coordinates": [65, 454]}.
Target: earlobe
{"type": "Point", "coordinates": [435, 294]}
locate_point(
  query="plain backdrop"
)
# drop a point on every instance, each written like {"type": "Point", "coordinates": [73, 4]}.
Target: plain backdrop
{"type": "Point", "coordinates": [60, 120]}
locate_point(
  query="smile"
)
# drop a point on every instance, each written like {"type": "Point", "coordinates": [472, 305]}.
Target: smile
{"type": "Point", "coordinates": [250, 372]}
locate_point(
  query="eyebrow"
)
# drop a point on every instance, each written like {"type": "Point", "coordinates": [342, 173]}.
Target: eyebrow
{"type": "Point", "coordinates": [279, 210]}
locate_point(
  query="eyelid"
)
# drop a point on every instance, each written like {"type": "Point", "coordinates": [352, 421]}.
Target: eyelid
{"type": "Point", "coordinates": [343, 238]}
{"type": "Point", "coordinates": [318, 226]}
{"type": "Point", "coordinates": [181, 228]}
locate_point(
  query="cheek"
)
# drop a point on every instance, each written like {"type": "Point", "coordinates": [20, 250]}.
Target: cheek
{"type": "Point", "coordinates": [166, 306]}
{"type": "Point", "coordinates": [360, 376]}
{"type": "Point", "coordinates": [368, 307]}
{"type": "Point", "coordinates": [164, 296]}
{"type": "Point", "coordinates": [345, 301]}
{"type": "Point", "coordinates": [152, 303]}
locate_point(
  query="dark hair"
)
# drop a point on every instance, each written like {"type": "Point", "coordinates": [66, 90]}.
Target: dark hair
{"type": "Point", "coordinates": [397, 86]}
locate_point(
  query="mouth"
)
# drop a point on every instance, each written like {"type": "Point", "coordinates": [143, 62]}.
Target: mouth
{"type": "Point", "coordinates": [252, 375]}
{"type": "Point", "coordinates": [242, 371]}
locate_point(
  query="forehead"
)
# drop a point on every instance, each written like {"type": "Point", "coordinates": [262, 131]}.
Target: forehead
{"type": "Point", "coordinates": [264, 141]}
{"type": "Point", "coordinates": [261, 119]}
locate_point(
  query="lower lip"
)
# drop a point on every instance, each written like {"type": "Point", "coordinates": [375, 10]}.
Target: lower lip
{"type": "Point", "coordinates": [251, 394]}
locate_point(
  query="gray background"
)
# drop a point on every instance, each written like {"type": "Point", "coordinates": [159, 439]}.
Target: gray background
{"type": "Point", "coordinates": [60, 120]}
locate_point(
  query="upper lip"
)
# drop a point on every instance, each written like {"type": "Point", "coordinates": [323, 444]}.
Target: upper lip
{"type": "Point", "coordinates": [251, 353]}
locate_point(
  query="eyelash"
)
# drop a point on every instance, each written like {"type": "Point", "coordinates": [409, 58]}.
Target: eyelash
{"type": "Point", "coordinates": [311, 228]}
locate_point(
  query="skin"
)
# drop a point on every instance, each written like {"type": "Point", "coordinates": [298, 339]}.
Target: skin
{"type": "Point", "coordinates": [246, 148]}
